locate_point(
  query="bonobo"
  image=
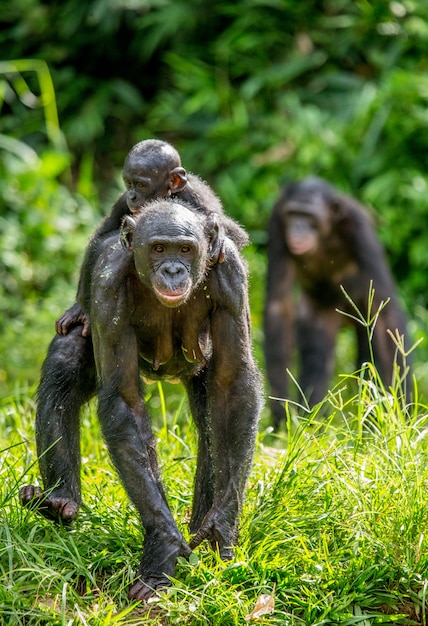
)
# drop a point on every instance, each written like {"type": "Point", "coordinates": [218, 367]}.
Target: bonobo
{"type": "Point", "coordinates": [68, 377]}
{"type": "Point", "coordinates": [322, 239]}
{"type": "Point", "coordinates": [152, 169]}
{"type": "Point", "coordinates": [164, 308]}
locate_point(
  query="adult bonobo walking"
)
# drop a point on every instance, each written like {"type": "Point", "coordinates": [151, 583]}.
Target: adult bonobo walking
{"type": "Point", "coordinates": [164, 308]}
{"type": "Point", "coordinates": [322, 240]}
{"type": "Point", "coordinates": [151, 170]}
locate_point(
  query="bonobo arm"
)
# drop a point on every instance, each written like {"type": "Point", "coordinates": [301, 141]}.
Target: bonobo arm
{"type": "Point", "coordinates": [125, 423]}
{"type": "Point", "coordinates": [361, 238]}
{"type": "Point", "coordinates": [278, 314]}
{"type": "Point", "coordinates": [355, 228]}
{"type": "Point", "coordinates": [234, 402]}
{"type": "Point", "coordinates": [78, 312]}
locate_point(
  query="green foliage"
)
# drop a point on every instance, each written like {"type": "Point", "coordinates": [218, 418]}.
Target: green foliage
{"type": "Point", "coordinates": [252, 93]}
{"type": "Point", "coordinates": [43, 231]}
{"type": "Point", "coordinates": [334, 524]}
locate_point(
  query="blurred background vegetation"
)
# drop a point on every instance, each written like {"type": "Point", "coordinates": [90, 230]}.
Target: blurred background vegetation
{"type": "Point", "coordinates": [252, 93]}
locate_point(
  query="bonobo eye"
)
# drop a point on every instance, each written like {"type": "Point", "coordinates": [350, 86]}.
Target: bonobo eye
{"type": "Point", "coordinates": [158, 248]}
{"type": "Point", "coordinates": [141, 185]}
{"type": "Point", "coordinates": [185, 249]}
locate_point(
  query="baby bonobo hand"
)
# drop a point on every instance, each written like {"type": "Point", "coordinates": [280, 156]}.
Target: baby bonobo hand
{"type": "Point", "coordinates": [74, 315]}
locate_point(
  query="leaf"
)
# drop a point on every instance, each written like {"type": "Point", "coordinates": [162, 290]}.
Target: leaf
{"type": "Point", "coordinates": [265, 605]}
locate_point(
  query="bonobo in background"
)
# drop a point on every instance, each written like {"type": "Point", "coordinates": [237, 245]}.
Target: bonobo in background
{"type": "Point", "coordinates": [322, 239]}
{"type": "Point", "coordinates": [179, 314]}
{"type": "Point", "coordinates": [68, 378]}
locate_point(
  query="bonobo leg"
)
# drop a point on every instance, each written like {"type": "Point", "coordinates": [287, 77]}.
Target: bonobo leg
{"type": "Point", "coordinates": [131, 445]}
{"type": "Point", "coordinates": [203, 494]}
{"type": "Point", "coordinates": [67, 382]}
{"type": "Point", "coordinates": [231, 419]}
{"type": "Point", "coordinates": [316, 339]}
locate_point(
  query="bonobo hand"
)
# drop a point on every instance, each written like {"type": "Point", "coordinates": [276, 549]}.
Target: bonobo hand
{"type": "Point", "coordinates": [74, 315]}
{"type": "Point", "coordinates": [57, 508]}
{"type": "Point", "coordinates": [158, 563]}
{"type": "Point", "coordinates": [219, 533]}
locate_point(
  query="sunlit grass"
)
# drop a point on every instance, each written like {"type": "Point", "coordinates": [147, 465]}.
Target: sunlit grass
{"type": "Point", "coordinates": [335, 520]}
{"type": "Point", "coordinates": [334, 528]}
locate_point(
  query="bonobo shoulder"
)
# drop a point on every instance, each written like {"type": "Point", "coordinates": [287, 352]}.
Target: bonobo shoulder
{"type": "Point", "coordinates": [233, 260]}
{"type": "Point", "coordinates": [228, 281]}
{"type": "Point", "coordinates": [112, 265]}
{"type": "Point", "coordinates": [110, 304]}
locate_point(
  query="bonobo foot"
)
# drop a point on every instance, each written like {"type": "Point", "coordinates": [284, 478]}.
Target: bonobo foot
{"type": "Point", "coordinates": [57, 508]}
{"type": "Point", "coordinates": [145, 589]}
{"type": "Point", "coordinates": [160, 556]}
{"type": "Point", "coordinates": [219, 532]}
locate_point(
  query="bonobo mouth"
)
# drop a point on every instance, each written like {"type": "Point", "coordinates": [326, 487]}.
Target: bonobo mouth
{"type": "Point", "coordinates": [171, 299]}
{"type": "Point", "coordinates": [300, 248]}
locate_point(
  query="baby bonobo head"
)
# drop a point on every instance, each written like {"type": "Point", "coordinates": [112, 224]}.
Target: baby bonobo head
{"type": "Point", "coordinates": [173, 247]}
{"type": "Point", "coordinates": [152, 169]}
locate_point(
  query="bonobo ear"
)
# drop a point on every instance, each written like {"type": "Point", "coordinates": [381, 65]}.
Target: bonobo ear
{"type": "Point", "coordinates": [127, 232]}
{"type": "Point", "coordinates": [178, 179]}
{"type": "Point", "coordinates": [338, 208]}
{"type": "Point", "coordinates": [215, 233]}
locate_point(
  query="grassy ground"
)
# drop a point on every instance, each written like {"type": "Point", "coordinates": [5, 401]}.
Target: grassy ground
{"type": "Point", "coordinates": [334, 529]}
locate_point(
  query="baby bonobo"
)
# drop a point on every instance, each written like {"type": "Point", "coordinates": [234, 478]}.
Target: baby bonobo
{"type": "Point", "coordinates": [151, 170]}
{"type": "Point", "coordinates": [179, 315]}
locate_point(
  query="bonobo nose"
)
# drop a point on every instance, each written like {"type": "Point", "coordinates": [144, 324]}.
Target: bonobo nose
{"type": "Point", "coordinates": [174, 269]}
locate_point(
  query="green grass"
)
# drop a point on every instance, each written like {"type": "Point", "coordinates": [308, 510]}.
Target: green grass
{"type": "Point", "coordinates": [335, 522]}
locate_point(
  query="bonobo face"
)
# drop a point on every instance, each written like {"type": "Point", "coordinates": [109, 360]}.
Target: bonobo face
{"type": "Point", "coordinates": [170, 252]}
{"type": "Point", "coordinates": [306, 223]}
{"type": "Point", "coordinates": [143, 181]}
{"type": "Point", "coordinates": [301, 233]}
